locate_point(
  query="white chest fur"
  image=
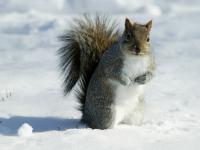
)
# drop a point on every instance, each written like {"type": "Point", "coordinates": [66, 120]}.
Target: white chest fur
{"type": "Point", "coordinates": [134, 66]}
{"type": "Point", "coordinates": [127, 97]}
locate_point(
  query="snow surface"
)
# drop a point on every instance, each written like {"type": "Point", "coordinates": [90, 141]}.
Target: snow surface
{"type": "Point", "coordinates": [30, 83]}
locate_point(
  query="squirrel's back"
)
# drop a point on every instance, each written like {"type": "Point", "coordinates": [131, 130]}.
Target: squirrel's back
{"type": "Point", "coordinates": [83, 45]}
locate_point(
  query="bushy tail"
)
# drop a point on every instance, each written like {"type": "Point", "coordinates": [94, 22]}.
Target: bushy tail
{"type": "Point", "coordinates": [84, 44]}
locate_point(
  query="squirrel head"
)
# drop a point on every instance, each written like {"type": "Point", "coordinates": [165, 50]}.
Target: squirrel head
{"type": "Point", "coordinates": [135, 39]}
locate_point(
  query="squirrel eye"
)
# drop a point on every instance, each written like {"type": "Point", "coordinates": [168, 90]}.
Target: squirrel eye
{"type": "Point", "coordinates": [128, 36]}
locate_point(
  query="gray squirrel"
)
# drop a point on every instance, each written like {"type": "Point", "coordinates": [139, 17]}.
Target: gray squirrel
{"type": "Point", "coordinates": [111, 69]}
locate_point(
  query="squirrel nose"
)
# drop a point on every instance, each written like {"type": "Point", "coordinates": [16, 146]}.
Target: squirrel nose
{"type": "Point", "coordinates": [137, 49]}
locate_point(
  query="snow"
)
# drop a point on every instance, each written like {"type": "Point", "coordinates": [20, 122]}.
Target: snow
{"type": "Point", "coordinates": [30, 82]}
{"type": "Point", "coordinates": [25, 130]}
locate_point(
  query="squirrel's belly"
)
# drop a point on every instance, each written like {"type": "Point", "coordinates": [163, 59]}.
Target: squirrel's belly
{"type": "Point", "coordinates": [126, 100]}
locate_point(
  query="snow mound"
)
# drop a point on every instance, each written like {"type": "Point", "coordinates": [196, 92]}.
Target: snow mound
{"type": "Point", "coordinates": [25, 130]}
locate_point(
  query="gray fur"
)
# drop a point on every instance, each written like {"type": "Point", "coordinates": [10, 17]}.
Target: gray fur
{"type": "Point", "coordinates": [99, 109]}
{"type": "Point", "coordinates": [98, 112]}
{"type": "Point", "coordinates": [94, 56]}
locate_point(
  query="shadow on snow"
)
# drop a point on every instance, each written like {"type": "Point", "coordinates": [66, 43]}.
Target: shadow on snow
{"type": "Point", "coordinates": [9, 126]}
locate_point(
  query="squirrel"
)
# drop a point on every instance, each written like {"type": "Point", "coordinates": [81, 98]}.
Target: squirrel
{"type": "Point", "coordinates": [111, 69]}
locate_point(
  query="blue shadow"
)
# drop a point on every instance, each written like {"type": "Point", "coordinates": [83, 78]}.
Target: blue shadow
{"type": "Point", "coordinates": [39, 124]}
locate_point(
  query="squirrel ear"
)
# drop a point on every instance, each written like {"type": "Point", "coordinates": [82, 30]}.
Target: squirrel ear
{"type": "Point", "coordinates": [128, 24]}
{"type": "Point", "coordinates": [148, 25]}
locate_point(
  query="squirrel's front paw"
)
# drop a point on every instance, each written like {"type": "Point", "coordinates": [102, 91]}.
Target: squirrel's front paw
{"type": "Point", "coordinates": [144, 78]}
{"type": "Point", "coordinates": [125, 80]}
